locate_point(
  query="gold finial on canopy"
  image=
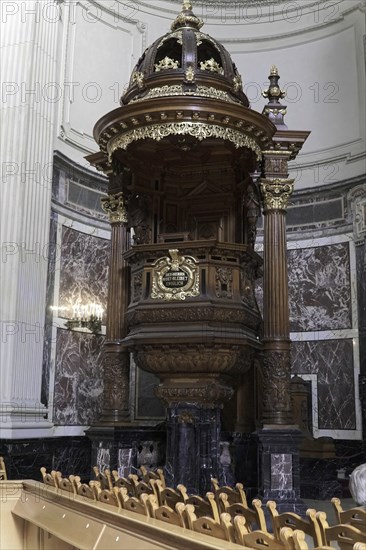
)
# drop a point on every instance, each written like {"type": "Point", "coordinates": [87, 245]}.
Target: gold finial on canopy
{"type": "Point", "coordinates": [187, 18]}
{"type": "Point", "coordinates": [274, 70]}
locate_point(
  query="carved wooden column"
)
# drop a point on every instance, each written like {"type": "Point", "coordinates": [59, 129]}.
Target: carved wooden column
{"type": "Point", "coordinates": [116, 361]}
{"type": "Point", "coordinates": [279, 438]}
{"type": "Point", "coordinates": [277, 362]}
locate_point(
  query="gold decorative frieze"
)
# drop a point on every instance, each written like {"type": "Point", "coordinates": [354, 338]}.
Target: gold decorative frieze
{"type": "Point", "coordinates": [278, 166]}
{"type": "Point", "coordinates": [177, 90]}
{"type": "Point", "coordinates": [175, 278]}
{"type": "Point", "coordinates": [166, 64]}
{"type": "Point", "coordinates": [199, 130]}
{"type": "Point", "coordinates": [115, 208]}
{"type": "Point", "coordinates": [208, 395]}
{"type": "Point", "coordinates": [283, 152]}
{"type": "Point", "coordinates": [276, 193]}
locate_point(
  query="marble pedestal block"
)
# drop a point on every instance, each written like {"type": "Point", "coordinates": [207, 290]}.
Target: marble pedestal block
{"type": "Point", "coordinates": [126, 448]}
{"type": "Point", "coordinates": [280, 468]}
{"type": "Point", "coordinates": [192, 455]}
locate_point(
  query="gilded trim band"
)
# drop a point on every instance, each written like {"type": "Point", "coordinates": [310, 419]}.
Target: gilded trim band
{"type": "Point", "coordinates": [198, 130]}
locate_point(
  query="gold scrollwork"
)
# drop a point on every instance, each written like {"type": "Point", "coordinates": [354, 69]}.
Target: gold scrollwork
{"type": "Point", "coordinates": [211, 65]}
{"type": "Point", "coordinates": [190, 74]}
{"type": "Point", "coordinates": [187, 20]}
{"type": "Point", "coordinates": [138, 78]}
{"type": "Point", "coordinates": [237, 83]}
{"type": "Point", "coordinates": [276, 193]}
{"type": "Point", "coordinates": [180, 273]}
{"type": "Point", "coordinates": [282, 110]}
{"type": "Point", "coordinates": [178, 35]}
{"type": "Point", "coordinates": [199, 130]}
{"type": "Point", "coordinates": [166, 63]}
{"type": "Point", "coordinates": [115, 207]}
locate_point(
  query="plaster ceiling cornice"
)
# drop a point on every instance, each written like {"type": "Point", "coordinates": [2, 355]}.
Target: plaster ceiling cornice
{"type": "Point", "coordinates": [212, 10]}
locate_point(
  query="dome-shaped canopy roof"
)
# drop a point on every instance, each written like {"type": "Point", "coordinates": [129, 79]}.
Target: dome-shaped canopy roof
{"type": "Point", "coordinates": [186, 61]}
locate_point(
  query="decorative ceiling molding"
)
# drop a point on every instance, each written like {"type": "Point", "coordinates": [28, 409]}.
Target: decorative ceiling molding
{"type": "Point", "coordinates": [212, 10]}
{"type": "Point", "coordinates": [233, 3]}
{"type": "Point", "coordinates": [255, 12]}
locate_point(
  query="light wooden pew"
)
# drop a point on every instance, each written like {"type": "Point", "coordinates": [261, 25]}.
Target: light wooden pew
{"type": "Point", "coordinates": [53, 519]}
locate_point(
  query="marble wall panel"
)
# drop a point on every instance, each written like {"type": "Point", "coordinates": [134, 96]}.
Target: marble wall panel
{"type": "Point", "coordinates": [361, 292]}
{"type": "Point", "coordinates": [281, 472]}
{"type": "Point", "coordinates": [78, 378]}
{"type": "Point", "coordinates": [332, 361]}
{"type": "Point", "coordinates": [84, 268]}
{"type": "Point", "coordinates": [320, 288]}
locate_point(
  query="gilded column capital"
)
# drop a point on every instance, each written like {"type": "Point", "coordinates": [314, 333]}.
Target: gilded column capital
{"type": "Point", "coordinates": [276, 193]}
{"type": "Point", "coordinates": [115, 207]}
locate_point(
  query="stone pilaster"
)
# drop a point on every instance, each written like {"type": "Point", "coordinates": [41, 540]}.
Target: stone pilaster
{"type": "Point", "coordinates": [29, 52]}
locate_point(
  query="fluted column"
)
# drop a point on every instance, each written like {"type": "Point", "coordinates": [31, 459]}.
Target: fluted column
{"type": "Point", "coordinates": [116, 360]}
{"type": "Point", "coordinates": [29, 57]}
{"type": "Point", "coordinates": [276, 355]}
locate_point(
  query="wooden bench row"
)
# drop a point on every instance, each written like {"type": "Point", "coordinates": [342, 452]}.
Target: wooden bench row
{"type": "Point", "coordinates": [223, 513]}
